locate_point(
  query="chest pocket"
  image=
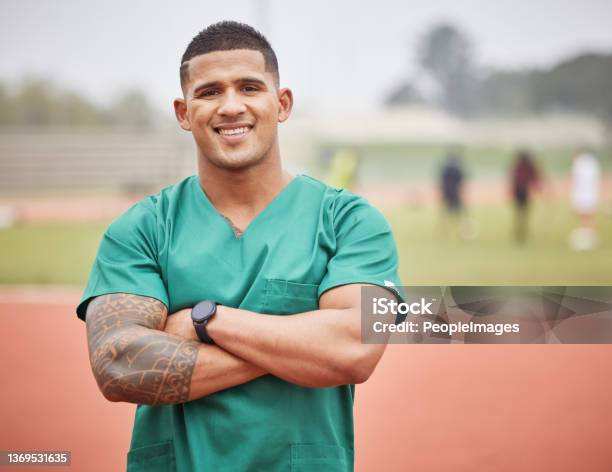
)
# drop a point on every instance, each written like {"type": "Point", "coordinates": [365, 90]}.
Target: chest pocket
{"type": "Point", "coordinates": [283, 297]}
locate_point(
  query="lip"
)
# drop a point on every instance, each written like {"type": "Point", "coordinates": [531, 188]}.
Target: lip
{"type": "Point", "coordinates": [233, 139]}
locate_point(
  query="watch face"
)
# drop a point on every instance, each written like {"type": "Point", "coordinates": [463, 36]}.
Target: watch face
{"type": "Point", "coordinates": [202, 311]}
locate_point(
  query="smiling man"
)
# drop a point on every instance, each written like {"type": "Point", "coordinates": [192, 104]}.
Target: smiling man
{"type": "Point", "coordinates": [228, 306]}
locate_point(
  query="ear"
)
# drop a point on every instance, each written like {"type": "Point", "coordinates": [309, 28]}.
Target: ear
{"type": "Point", "coordinates": [285, 102]}
{"type": "Point", "coordinates": [180, 111]}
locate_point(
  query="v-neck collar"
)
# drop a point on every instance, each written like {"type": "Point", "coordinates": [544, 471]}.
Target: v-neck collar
{"type": "Point", "coordinates": [282, 195]}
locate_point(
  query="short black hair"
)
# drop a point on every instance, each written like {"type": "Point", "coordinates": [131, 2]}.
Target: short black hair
{"type": "Point", "coordinates": [226, 36]}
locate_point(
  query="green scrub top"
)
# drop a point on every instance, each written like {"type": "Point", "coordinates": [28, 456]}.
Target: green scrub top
{"type": "Point", "coordinates": [177, 248]}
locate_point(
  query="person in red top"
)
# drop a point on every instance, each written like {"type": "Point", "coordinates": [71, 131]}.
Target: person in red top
{"type": "Point", "coordinates": [525, 177]}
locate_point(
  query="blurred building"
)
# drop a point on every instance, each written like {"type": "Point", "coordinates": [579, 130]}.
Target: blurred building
{"type": "Point", "coordinates": [98, 159]}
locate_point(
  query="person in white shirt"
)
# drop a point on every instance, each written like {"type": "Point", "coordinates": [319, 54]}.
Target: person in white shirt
{"type": "Point", "coordinates": [586, 176]}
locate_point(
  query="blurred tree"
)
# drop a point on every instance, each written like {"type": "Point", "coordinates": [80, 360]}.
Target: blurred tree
{"type": "Point", "coordinates": [405, 93]}
{"type": "Point", "coordinates": [7, 108]}
{"type": "Point", "coordinates": [132, 109]}
{"type": "Point", "coordinates": [581, 83]}
{"type": "Point", "coordinates": [505, 92]}
{"type": "Point", "coordinates": [38, 102]}
{"type": "Point", "coordinates": [35, 103]}
{"type": "Point", "coordinates": [75, 110]}
{"type": "Point", "coordinates": [445, 53]}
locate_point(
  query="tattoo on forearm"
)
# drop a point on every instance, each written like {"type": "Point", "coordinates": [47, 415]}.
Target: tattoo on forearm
{"type": "Point", "coordinates": [131, 359]}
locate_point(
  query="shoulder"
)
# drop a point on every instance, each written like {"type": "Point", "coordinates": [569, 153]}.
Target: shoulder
{"type": "Point", "coordinates": [344, 208]}
{"type": "Point", "coordinates": [150, 212]}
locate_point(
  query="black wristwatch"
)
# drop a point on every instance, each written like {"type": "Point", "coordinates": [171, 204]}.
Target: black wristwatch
{"type": "Point", "coordinates": [200, 315]}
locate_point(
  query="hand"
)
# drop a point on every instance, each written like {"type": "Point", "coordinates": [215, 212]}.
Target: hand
{"type": "Point", "coordinates": [180, 324]}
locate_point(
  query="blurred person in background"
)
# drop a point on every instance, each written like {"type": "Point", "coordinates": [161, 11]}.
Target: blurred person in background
{"type": "Point", "coordinates": [586, 177]}
{"type": "Point", "coordinates": [524, 177]}
{"type": "Point", "coordinates": [343, 167]}
{"type": "Point", "coordinates": [451, 181]}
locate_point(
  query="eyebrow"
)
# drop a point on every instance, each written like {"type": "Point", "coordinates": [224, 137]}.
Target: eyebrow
{"type": "Point", "coordinates": [253, 80]}
{"type": "Point", "coordinates": [216, 83]}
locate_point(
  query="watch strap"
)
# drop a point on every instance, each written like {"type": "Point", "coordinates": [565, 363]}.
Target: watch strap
{"type": "Point", "coordinates": [202, 333]}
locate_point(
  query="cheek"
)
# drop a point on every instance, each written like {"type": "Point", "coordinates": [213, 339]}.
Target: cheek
{"type": "Point", "coordinates": [199, 117]}
{"type": "Point", "coordinates": [269, 122]}
{"type": "Point", "coordinates": [268, 127]}
{"type": "Point", "coordinates": [267, 110]}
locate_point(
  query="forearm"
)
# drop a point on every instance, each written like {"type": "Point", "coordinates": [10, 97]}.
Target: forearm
{"type": "Point", "coordinates": [217, 370]}
{"type": "Point", "coordinates": [315, 349]}
{"type": "Point", "coordinates": [141, 365]}
{"type": "Point", "coordinates": [133, 361]}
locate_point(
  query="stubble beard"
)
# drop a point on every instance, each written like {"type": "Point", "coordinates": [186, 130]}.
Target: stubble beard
{"type": "Point", "coordinates": [239, 159]}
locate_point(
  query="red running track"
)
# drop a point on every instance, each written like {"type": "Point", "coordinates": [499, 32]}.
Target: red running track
{"type": "Point", "coordinates": [427, 408]}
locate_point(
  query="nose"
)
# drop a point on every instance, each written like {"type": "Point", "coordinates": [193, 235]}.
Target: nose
{"type": "Point", "coordinates": [231, 104]}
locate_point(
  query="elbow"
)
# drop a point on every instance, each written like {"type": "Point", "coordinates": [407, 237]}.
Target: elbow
{"type": "Point", "coordinates": [357, 368]}
{"type": "Point", "coordinates": [113, 397]}
{"type": "Point", "coordinates": [105, 385]}
{"type": "Point", "coordinates": [109, 384]}
{"type": "Point", "coordinates": [119, 384]}
{"type": "Point", "coordinates": [358, 375]}
{"type": "Point", "coordinates": [113, 394]}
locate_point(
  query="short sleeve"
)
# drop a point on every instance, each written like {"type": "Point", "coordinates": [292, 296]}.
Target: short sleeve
{"type": "Point", "coordinates": [126, 261]}
{"type": "Point", "coordinates": [365, 248]}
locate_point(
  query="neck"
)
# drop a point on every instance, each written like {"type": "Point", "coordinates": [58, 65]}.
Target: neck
{"type": "Point", "coordinates": [243, 191]}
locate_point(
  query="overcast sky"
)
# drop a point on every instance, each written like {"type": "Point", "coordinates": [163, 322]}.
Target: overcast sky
{"type": "Point", "coordinates": [335, 55]}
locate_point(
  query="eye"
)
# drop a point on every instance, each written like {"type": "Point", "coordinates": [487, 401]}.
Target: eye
{"type": "Point", "coordinates": [208, 93]}
{"type": "Point", "coordinates": [250, 88]}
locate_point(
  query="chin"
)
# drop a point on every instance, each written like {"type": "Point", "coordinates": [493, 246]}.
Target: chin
{"type": "Point", "coordinates": [237, 162]}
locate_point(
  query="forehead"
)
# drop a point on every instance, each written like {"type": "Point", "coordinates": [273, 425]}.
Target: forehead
{"type": "Point", "coordinates": [227, 66]}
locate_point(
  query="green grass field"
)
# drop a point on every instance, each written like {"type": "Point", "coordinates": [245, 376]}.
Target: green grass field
{"type": "Point", "coordinates": [428, 257]}
{"type": "Point", "coordinates": [63, 253]}
{"type": "Point", "coordinates": [48, 253]}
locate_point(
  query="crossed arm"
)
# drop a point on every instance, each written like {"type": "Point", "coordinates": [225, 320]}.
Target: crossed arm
{"type": "Point", "coordinates": [140, 355]}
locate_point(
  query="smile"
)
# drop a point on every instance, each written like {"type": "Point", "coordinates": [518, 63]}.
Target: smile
{"type": "Point", "coordinates": [233, 133]}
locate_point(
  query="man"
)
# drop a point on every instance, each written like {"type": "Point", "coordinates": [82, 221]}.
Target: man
{"type": "Point", "coordinates": [343, 169]}
{"type": "Point", "coordinates": [228, 306]}
{"type": "Point", "coordinates": [454, 219]}
{"type": "Point", "coordinates": [524, 177]}
{"type": "Point", "coordinates": [451, 182]}
{"type": "Point", "coordinates": [586, 176]}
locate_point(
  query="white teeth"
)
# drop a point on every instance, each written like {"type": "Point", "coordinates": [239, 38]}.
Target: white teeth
{"type": "Point", "coordinates": [231, 132]}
